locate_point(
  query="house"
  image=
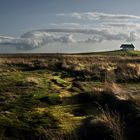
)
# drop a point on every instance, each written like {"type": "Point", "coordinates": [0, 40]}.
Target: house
{"type": "Point", "coordinates": [127, 47]}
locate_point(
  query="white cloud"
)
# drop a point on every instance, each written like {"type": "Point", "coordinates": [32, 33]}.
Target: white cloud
{"type": "Point", "coordinates": [112, 37]}
{"type": "Point", "coordinates": [99, 34]}
{"type": "Point", "coordinates": [100, 16]}
{"type": "Point", "coordinates": [35, 39]}
{"type": "Point", "coordinates": [127, 25]}
{"type": "Point", "coordinates": [114, 22]}
{"type": "Point", "coordinates": [39, 38]}
{"type": "Point", "coordinates": [96, 28]}
{"type": "Point", "coordinates": [5, 39]}
{"type": "Point", "coordinates": [65, 24]}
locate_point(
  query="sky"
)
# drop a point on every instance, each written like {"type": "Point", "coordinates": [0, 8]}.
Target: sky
{"type": "Point", "coordinates": [55, 26]}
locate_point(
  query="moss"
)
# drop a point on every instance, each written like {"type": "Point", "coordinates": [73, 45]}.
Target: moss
{"type": "Point", "coordinates": [51, 99]}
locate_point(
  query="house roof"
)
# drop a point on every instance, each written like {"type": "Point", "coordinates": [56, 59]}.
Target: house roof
{"type": "Point", "coordinates": [127, 46]}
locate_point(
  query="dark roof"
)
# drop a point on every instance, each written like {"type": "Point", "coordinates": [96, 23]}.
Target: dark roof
{"type": "Point", "coordinates": [127, 46]}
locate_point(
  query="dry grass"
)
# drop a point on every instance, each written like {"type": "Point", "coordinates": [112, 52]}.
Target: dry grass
{"type": "Point", "coordinates": [135, 99]}
{"type": "Point", "coordinates": [115, 90]}
{"type": "Point", "coordinates": [113, 122]}
{"type": "Point", "coordinates": [68, 85]}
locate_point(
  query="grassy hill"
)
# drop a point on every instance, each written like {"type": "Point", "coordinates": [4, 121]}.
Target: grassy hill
{"type": "Point", "coordinates": [115, 52]}
{"type": "Point", "coordinates": [70, 96]}
{"type": "Point", "coordinates": [105, 53]}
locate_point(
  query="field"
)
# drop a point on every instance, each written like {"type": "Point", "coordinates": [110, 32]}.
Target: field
{"type": "Point", "coordinates": [91, 96]}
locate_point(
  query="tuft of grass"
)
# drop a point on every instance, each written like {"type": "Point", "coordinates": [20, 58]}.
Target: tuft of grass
{"type": "Point", "coordinates": [113, 122]}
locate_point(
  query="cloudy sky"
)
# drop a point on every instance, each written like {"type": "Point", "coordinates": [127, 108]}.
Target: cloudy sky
{"type": "Point", "coordinates": [68, 25]}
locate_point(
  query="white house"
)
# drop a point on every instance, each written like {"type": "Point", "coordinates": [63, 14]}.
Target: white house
{"type": "Point", "coordinates": [127, 47]}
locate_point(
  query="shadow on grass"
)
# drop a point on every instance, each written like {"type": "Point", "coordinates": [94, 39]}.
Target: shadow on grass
{"type": "Point", "coordinates": [24, 120]}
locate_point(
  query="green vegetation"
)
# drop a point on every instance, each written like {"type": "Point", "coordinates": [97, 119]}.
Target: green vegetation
{"type": "Point", "coordinates": [115, 52]}
{"type": "Point", "coordinates": [70, 97]}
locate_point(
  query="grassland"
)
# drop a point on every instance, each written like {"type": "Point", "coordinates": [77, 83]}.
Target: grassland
{"type": "Point", "coordinates": [70, 96]}
{"type": "Point", "coordinates": [115, 52]}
